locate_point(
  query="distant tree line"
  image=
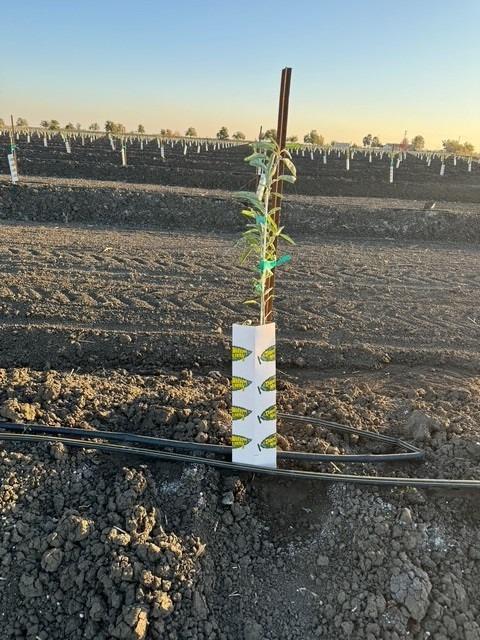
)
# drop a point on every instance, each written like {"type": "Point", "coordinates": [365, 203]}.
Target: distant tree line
{"type": "Point", "coordinates": [312, 137]}
{"type": "Point", "coordinates": [20, 122]}
{"type": "Point", "coordinates": [418, 143]}
{"type": "Point", "coordinates": [458, 148]}
{"type": "Point", "coordinates": [371, 141]}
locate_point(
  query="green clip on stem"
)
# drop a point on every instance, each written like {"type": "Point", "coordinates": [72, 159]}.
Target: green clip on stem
{"type": "Point", "coordinates": [268, 265]}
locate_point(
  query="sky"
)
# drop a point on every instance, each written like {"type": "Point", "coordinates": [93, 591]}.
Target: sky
{"type": "Point", "coordinates": [359, 66]}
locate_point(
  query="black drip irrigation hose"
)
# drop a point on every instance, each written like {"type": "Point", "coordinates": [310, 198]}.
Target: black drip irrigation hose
{"type": "Point", "coordinates": [35, 433]}
{"type": "Point", "coordinates": [411, 452]}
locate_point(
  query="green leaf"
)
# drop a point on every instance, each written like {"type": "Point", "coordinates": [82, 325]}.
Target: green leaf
{"type": "Point", "coordinates": [251, 302]}
{"type": "Point", "coordinates": [258, 162]}
{"type": "Point", "coordinates": [290, 166]}
{"type": "Point", "coordinates": [251, 198]}
{"type": "Point", "coordinates": [286, 178]}
{"type": "Point", "coordinates": [248, 213]}
{"type": "Point", "coordinates": [256, 156]}
{"type": "Point", "coordinates": [245, 255]}
{"type": "Point", "coordinates": [287, 238]}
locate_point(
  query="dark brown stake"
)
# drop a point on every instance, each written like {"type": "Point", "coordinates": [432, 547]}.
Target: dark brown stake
{"type": "Point", "coordinates": [276, 200]}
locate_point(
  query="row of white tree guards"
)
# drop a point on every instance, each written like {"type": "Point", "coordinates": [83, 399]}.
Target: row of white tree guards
{"type": "Point", "coordinates": [189, 145]}
{"type": "Point", "coordinates": [120, 141]}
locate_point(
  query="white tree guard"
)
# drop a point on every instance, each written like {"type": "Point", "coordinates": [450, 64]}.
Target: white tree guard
{"type": "Point", "coordinates": [254, 413]}
{"type": "Point", "coordinates": [13, 167]}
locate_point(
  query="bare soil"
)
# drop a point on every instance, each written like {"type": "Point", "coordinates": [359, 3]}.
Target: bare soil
{"type": "Point", "coordinates": [184, 209]}
{"type": "Point", "coordinates": [115, 316]}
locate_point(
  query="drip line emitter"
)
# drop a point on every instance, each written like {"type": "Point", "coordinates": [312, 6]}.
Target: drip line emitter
{"type": "Point", "coordinates": [254, 407]}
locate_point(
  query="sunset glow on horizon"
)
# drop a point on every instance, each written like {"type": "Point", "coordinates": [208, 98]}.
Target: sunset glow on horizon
{"type": "Point", "coordinates": [369, 68]}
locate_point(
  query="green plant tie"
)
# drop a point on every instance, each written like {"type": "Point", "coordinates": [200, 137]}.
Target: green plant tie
{"type": "Point", "coordinates": [260, 219]}
{"type": "Point", "coordinates": [268, 265]}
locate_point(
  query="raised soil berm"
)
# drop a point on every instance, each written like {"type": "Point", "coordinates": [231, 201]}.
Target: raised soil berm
{"type": "Point", "coordinates": [174, 208]}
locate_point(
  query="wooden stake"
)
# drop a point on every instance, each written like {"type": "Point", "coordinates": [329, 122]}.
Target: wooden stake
{"type": "Point", "coordinates": [275, 200]}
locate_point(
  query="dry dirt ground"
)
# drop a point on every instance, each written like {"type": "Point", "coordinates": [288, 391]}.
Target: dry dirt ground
{"type": "Point", "coordinates": [378, 299]}
{"type": "Point", "coordinates": [384, 294]}
{"type": "Point", "coordinates": [129, 330]}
